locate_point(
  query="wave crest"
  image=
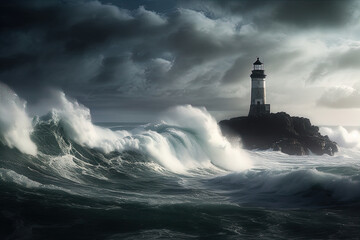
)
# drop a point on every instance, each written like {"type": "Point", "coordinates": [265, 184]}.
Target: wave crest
{"type": "Point", "coordinates": [185, 137]}
{"type": "Point", "coordinates": [306, 187]}
{"type": "Point", "coordinates": [15, 125]}
{"type": "Point", "coordinates": [343, 137]}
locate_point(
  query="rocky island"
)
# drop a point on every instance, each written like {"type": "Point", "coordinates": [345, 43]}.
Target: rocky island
{"type": "Point", "coordinates": [280, 132]}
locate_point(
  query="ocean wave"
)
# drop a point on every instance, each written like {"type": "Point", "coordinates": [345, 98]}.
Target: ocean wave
{"type": "Point", "coordinates": [15, 125]}
{"type": "Point", "coordinates": [343, 137]}
{"type": "Point", "coordinates": [303, 187]}
{"type": "Point", "coordinates": [69, 148]}
{"type": "Point", "coordinates": [184, 138]}
{"type": "Point", "coordinates": [8, 175]}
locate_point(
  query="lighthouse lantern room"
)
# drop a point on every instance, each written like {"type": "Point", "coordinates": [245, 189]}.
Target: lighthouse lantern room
{"type": "Point", "coordinates": [258, 104]}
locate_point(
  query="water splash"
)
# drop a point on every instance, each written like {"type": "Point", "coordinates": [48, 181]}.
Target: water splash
{"type": "Point", "coordinates": [15, 125]}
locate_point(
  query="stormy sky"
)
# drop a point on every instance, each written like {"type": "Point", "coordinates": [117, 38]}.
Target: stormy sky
{"type": "Point", "coordinates": [130, 60]}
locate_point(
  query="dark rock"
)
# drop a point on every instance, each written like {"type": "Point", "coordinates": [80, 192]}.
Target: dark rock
{"type": "Point", "coordinates": [290, 146]}
{"type": "Point", "coordinates": [280, 131]}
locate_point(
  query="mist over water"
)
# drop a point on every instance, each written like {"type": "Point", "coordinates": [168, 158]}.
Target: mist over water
{"type": "Point", "coordinates": [62, 176]}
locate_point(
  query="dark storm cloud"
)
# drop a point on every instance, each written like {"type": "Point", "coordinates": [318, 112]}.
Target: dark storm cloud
{"type": "Point", "coordinates": [68, 38]}
{"type": "Point", "coordinates": [24, 15]}
{"type": "Point", "coordinates": [16, 60]}
{"type": "Point", "coordinates": [107, 28]}
{"type": "Point", "coordinates": [336, 61]}
{"type": "Point", "coordinates": [115, 52]}
{"type": "Point", "coordinates": [110, 68]}
{"type": "Point", "coordinates": [239, 70]}
{"type": "Point", "coordinates": [294, 13]}
{"type": "Point", "coordinates": [301, 13]}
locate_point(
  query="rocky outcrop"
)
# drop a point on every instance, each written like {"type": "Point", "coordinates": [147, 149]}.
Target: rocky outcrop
{"type": "Point", "coordinates": [279, 131]}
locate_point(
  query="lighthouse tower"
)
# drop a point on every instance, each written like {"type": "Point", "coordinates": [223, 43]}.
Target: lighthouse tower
{"type": "Point", "coordinates": [258, 104]}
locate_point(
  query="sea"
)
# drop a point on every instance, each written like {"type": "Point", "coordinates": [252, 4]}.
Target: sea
{"type": "Point", "coordinates": [62, 176]}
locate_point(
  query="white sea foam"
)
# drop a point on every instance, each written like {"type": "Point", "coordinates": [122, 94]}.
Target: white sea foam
{"type": "Point", "coordinates": [193, 139]}
{"type": "Point", "coordinates": [76, 120]}
{"type": "Point", "coordinates": [207, 137]}
{"type": "Point", "coordinates": [343, 137]}
{"type": "Point", "coordinates": [15, 125]}
{"type": "Point", "coordinates": [12, 176]}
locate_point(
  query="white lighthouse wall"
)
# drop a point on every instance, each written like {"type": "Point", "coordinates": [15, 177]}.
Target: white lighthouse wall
{"type": "Point", "coordinates": [258, 104]}
{"type": "Point", "coordinates": [256, 94]}
{"type": "Point", "coordinates": [258, 91]}
{"type": "Point", "coordinates": [258, 83]}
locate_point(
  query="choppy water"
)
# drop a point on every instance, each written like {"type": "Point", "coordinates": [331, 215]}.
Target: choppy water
{"type": "Point", "coordinates": [62, 177]}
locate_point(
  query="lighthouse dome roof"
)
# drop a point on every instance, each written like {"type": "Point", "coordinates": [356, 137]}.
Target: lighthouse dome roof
{"type": "Point", "coordinates": [258, 62]}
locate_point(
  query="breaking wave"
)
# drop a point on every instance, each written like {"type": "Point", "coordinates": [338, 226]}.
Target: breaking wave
{"type": "Point", "coordinates": [15, 125]}
{"type": "Point", "coordinates": [180, 166]}
{"type": "Point", "coordinates": [343, 137]}
{"type": "Point", "coordinates": [185, 138]}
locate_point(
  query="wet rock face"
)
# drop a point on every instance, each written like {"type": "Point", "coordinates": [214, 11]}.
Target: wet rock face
{"type": "Point", "coordinates": [280, 131]}
{"type": "Point", "coordinates": [290, 146]}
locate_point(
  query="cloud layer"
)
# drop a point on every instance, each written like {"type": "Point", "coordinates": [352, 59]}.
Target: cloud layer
{"type": "Point", "coordinates": [148, 55]}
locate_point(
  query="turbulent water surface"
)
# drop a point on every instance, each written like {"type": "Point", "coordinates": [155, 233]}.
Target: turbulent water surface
{"type": "Point", "coordinates": [63, 177]}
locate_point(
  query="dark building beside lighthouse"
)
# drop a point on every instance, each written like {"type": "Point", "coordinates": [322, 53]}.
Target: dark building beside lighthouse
{"type": "Point", "coordinates": [258, 104]}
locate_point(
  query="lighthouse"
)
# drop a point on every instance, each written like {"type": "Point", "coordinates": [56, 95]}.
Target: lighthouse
{"type": "Point", "coordinates": [258, 104]}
